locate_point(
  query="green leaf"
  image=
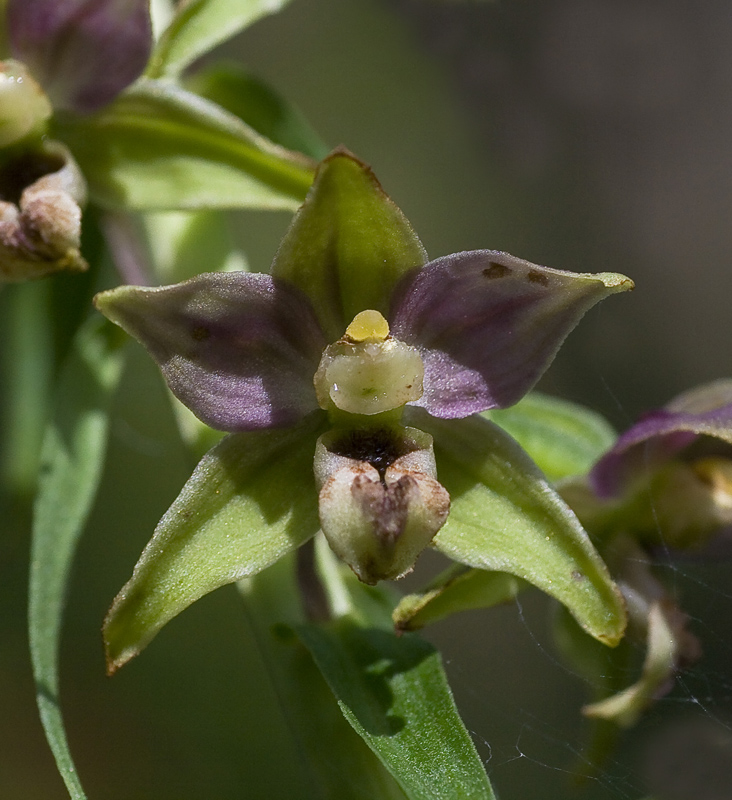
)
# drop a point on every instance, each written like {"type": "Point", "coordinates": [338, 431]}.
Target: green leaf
{"type": "Point", "coordinates": [251, 500]}
{"type": "Point", "coordinates": [71, 464]}
{"type": "Point", "coordinates": [394, 693]}
{"type": "Point", "coordinates": [348, 245]}
{"type": "Point", "coordinates": [563, 438]}
{"type": "Point", "coordinates": [200, 25]}
{"type": "Point", "coordinates": [457, 589]}
{"type": "Point", "coordinates": [258, 105]}
{"type": "Point", "coordinates": [159, 147]}
{"type": "Point", "coordinates": [332, 762]}
{"type": "Point", "coordinates": [506, 517]}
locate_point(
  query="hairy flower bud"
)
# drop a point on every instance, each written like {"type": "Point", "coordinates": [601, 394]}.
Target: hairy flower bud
{"type": "Point", "coordinates": [380, 502]}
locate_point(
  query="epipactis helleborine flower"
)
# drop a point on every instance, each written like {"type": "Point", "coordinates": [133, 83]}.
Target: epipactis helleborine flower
{"type": "Point", "coordinates": [69, 56]}
{"type": "Point", "coordinates": [666, 482]}
{"type": "Point", "coordinates": [352, 327]}
{"type": "Point", "coordinates": [679, 459]}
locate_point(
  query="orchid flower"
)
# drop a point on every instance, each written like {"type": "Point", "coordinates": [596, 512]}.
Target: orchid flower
{"type": "Point", "coordinates": [666, 479]}
{"type": "Point", "coordinates": [91, 107]}
{"type": "Point", "coordinates": [68, 56]}
{"type": "Point", "coordinates": [349, 378]}
{"type": "Point", "coordinates": [665, 483]}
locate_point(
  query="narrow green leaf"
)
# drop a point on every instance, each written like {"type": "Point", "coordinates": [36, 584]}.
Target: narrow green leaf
{"type": "Point", "coordinates": [200, 25]}
{"type": "Point", "coordinates": [563, 438]}
{"type": "Point", "coordinates": [71, 464]}
{"type": "Point", "coordinates": [348, 245]}
{"type": "Point", "coordinates": [158, 146]}
{"type": "Point", "coordinates": [258, 105]}
{"type": "Point", "coordinates": [457, 589]}
{"type": "Point", "coordinates": [394, 693]}
{"type": "Point", "coordinates": [251, 500]}
{"type": "Point", "coordinates": [332, 762]}
{"type": "Point", "coordinates": [506, 517]}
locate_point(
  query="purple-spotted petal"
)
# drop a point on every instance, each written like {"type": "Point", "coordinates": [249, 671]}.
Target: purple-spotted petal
{"type": "Point", "coordinates": [239, 349]}
{"type": "Point", "coordinates": [488, 325]}
{"type": "Point", "coordinates": [83, 52]}
{"type": "Point", "coordinates": [660, 435]}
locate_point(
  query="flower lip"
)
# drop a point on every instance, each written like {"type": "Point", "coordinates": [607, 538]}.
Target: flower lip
{"type": "Point", "coordinates": [380, 512]}
{"type": "Point", "coordinates": [42, 193]}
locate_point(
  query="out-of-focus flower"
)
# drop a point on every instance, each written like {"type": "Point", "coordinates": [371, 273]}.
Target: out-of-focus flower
{"type": "Point", "coordinates": [40, 233]}
{"type": "Point", "coordinates": [351, 327]}
{"type": "Point", "coordinates": [668, 477]}
{"type": "Point", "coordinates": [664, 486]}
{"type": "Point", "coordinates": [68, 56]}
{"type": "Point", "coordinates": [82, 52]}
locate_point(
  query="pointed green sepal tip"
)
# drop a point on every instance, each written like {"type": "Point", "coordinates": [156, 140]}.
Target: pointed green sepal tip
{"type": "Point", "coordinates": [250, 501]}
{"type": "Point", "coordinates": [348, 245]}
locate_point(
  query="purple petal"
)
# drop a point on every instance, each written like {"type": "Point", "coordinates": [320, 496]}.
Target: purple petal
{"type": "Point", "coordinates": [488, 325]}
{"type": "Point", "coordinates": [83, 52]}
{"type": "Point", "coordinates": [239, 349]}
{"type": "Point", "coordinates": [660, 435]}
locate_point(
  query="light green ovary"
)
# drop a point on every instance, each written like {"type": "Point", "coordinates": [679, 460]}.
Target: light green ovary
{"type": "Point", "coordinates": [366, 372]}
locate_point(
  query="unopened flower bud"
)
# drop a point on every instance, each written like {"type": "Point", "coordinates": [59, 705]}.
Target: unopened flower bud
{"type": "Point", "coordinates": [24, 107]}
{"type": "Point", "coordinates": [368, 372]}
{"type": "Point", "coordinates": [380, 502]}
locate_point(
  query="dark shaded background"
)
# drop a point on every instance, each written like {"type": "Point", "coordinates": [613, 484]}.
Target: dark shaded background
{"type": "Point", "coordinates": [588, 135]}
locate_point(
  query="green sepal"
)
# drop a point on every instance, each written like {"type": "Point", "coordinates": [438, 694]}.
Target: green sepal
{"type": "Point", "coordinates": [72, 459]}
{"type": "Point", "coordinates": [458, 588]}
{"type": "Point", "coordinates": [506, 517]}
{"type": "Point", "coordinates": [230, 86]}
{"type": "Point", "coordinates": [160, 147]}
{"type": "Point", "coordinates": [348, 245]}
{"type": "Point", "coordinates": [200, 25]}
{"type": "Point", "coordinates": [626, 706]}
{"type": "Point", "coordinates": [564, 439]}
{"type": "Point", "coordinates": [394, 693]}
{"type": "Point", "coordinates": [251, 500]}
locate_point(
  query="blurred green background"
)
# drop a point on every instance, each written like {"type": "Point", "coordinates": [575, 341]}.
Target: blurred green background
{"type": "Point", "coordinates": [587, 135]}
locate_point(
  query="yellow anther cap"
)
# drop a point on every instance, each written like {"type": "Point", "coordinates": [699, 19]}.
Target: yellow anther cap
{"type": "Point", "coordinates": [368, 326]}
